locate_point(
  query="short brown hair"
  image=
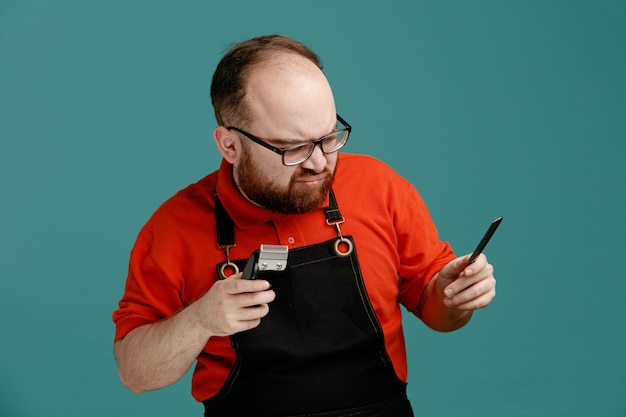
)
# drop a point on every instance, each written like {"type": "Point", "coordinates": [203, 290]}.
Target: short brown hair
{"type": "Point", "coordinates": [229, 80]}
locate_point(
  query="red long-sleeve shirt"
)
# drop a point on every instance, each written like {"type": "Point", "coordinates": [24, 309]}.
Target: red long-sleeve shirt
{"type": "Point", "coordinates": [174, 258]}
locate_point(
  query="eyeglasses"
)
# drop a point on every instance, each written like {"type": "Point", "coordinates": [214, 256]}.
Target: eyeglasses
{"type": "Point", "coordinates": [297, 154]}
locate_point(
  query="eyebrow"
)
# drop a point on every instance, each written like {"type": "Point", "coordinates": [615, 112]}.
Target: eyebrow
{"type": "Point", "coordinates": [286, 142]}
{"type": "Point", "coordinates": [293, 142]}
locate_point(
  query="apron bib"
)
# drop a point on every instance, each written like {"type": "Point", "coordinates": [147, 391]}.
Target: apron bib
{"type": "Point", "coordinates": [320, 350]}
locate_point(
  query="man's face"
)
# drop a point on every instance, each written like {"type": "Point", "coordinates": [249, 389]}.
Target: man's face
{"type": "Point", "coordinates": [291, 103]}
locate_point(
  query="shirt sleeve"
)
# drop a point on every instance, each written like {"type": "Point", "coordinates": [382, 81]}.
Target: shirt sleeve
{"type": "Point", "coordinates": [150, 294]}
{"type": "Point", "coordinates": [421, 252]}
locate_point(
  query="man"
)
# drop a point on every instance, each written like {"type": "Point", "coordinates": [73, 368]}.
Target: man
{"type": "Point", "coordinates": [324, 336]}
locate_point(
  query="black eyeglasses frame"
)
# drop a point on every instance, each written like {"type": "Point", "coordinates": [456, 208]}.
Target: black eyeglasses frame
{"type": "Point", "coordinates": [347, 128]}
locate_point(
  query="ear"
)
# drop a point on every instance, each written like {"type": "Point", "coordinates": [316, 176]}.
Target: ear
{"type": "Point", "coordinates": [228, 143]}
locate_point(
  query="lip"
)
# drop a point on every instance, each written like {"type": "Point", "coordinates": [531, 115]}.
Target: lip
{"type": "Point", "coordinates": [311, 182]}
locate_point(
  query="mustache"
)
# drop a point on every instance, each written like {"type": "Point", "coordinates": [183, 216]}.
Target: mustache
{"type": "Point", "coordinates": [310, 173]}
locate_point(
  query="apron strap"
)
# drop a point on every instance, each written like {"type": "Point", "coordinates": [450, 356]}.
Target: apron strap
{"type": "Point", "coordinates": [332, 211]}
{"type": "Point", "coordinates": [343, 247]}
{"type": "Point", "coordinates": [225, 236]}
{"type": "Point", "coordinates": [224, 225]}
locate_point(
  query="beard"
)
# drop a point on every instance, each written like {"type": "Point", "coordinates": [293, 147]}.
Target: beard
{"type": "Point", "coordinates": [292, 200]}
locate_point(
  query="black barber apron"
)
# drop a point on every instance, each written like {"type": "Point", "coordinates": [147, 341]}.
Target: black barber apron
{"type": "Point", "coordinates": [320, 350]}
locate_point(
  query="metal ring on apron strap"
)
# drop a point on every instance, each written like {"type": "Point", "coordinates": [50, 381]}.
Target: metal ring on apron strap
{"type": "Point", "coordinates": [227, 265]}
{"type": "Point", "coordinates": [347, 242]}
{"type": "Point", "coordinates": [336, 222]}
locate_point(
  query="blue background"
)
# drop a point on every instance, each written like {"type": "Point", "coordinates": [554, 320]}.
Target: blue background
{"type": "Point", "coordinates": [512, 108]}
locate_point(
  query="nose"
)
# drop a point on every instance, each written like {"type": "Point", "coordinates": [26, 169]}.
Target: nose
{"type": "Point", "coordinates": [317, 161]}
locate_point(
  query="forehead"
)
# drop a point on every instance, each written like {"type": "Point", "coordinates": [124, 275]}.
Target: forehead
{"type": "Point", "coordinates": [288, 96]}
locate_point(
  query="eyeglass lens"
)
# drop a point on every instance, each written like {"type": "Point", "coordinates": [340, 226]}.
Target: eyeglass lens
{"type": "Point", "coordinates": [329, 144]}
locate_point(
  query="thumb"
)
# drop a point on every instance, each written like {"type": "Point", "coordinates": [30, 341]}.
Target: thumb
{"type": "Point", "coordinates": [453, 269]}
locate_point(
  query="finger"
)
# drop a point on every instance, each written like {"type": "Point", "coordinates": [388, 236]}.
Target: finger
{"type": "Point", "coordinates": [255, 312]}
{"type": "Point", "coordinates": [473, 296]}
{"type": "Point", "coordinates": [240, 318]}
{"type": "Point", "coordinates": [477, 275]}
{"type": "Point", "coordinates": [250, 317]}
{"type": "Point", "coordinates": [453, 268]}
{"type": "Point", "coordinates": [250, 299]}
{"type": "Point", "coordinates": [466, 280]}
{"type": "Point", "coordinates": [235, 285]}
{"type": "Point", "coordinates": [479, 263]}
{"type": "Point", "coordinates": [477, 303]}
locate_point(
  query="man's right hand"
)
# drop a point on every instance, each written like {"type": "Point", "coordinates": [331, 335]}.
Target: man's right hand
{"type": "Point", "coordinates": [234, 305]}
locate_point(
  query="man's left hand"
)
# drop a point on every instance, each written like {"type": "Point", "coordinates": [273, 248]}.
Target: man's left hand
{"type": "Point", "coordinates": [467, 287]}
